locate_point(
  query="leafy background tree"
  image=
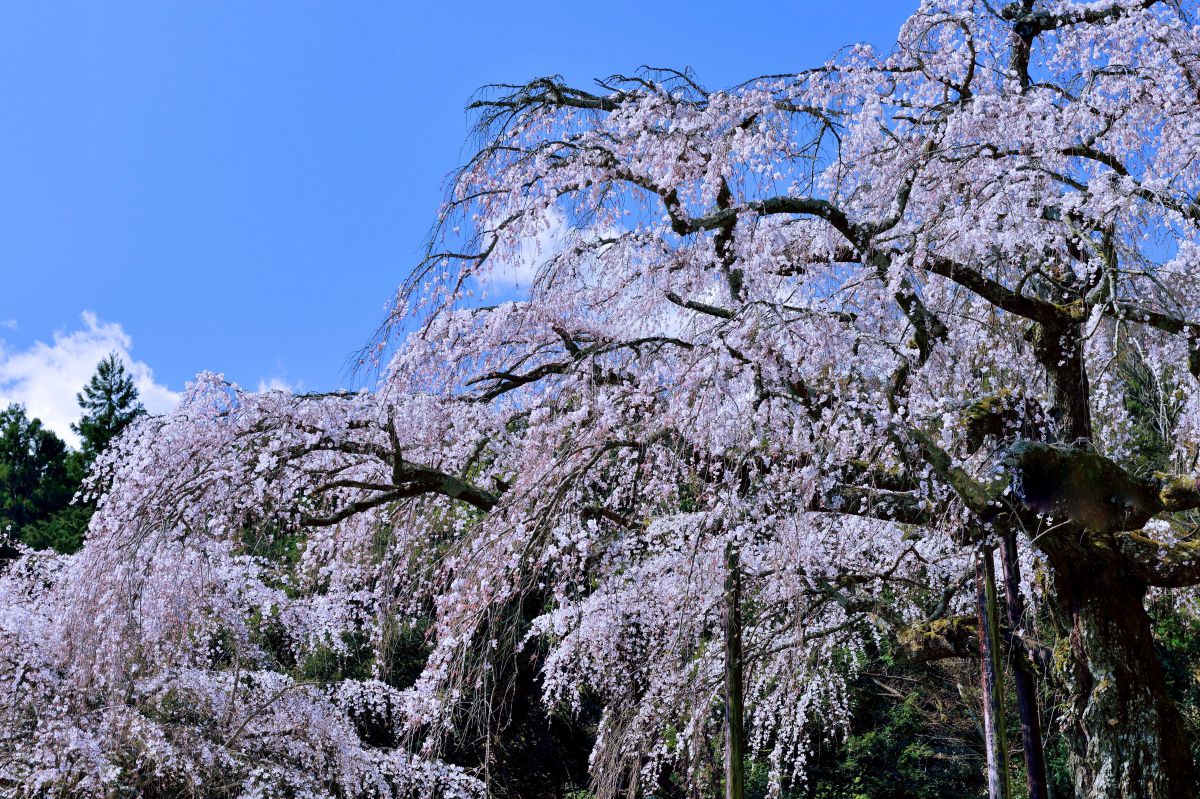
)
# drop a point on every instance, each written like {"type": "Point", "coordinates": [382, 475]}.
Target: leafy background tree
{"type": "Point", "coordinates": [40, 474]}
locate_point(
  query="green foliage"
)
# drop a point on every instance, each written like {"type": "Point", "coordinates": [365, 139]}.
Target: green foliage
{"type": "Point", "coordinates": [63, 531]}
{"type": "Point", "coordinates": [405, 649]}
{"type": "Point", "coordinates": [895, 751]}
{"type": "Point", "coordinates": [351, 661]}
{"type": "Point", "coordinates": [33, 469]}
{"type": "Point", "coordinates": [909, 738]}
{"type": "Point", "coordinates": [39, 475]}
{"type": "Point", "coordinates": [1060, 779]}
{"type": "Point", "coordinates": [1177, 634]}
{"type": "Point", "coordinates": [282, 547]}
{"type": "Point", "coordinates": [109, 402]}
{"type": "Point", "coordinates": [38, 479]}
{"type": "Point", "coordinates": [1153, 403]}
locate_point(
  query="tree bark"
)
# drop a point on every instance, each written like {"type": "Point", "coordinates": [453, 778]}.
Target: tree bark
{"type": "Point", "coordinates": [1059, 348]}
{"type": "Point", "coordinates": [1027, 704]}
{"type": "Point", "coordinates": [735, 733]}
{"type": "Point", "coordinates": [991, 676]}
{"type": "Point", "coordinates": [1126, 734]}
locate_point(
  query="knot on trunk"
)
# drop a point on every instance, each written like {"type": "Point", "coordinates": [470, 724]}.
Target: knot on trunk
{"type": "Point", "coordinates": [1003, 415]}
{"type": "Point", "coordinates": [1085, 487]}
{"type": "Point", "coordinates": [1178, 492]}
{"type": "Point", "coordinates": [953, 637]}
{"type": "Point", "coordinates": [1090, 490]}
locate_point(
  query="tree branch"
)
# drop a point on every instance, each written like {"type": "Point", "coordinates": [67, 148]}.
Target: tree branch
{"type": "Point", "coordinates": [1159, 563]}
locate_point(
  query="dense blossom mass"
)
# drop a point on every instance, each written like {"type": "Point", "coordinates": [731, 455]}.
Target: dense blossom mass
{"type": "Point", "coordinates": [816, 337]}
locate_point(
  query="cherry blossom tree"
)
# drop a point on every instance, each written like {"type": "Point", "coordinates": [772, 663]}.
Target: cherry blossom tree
{"type": "Point", "coordinates": [795, 354]}
{"type": "Point", "coordinates": [150, 664]}
{"type": "Point", "coordinates": [896, 286]}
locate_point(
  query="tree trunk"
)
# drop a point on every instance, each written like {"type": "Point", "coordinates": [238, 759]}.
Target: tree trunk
{"type": "Point", "coordinates": [1059, 348]}
{"type": "Point", "coordinates": [991, 676]}
{"type": "Point", "coordinates": [1027, 704]}
{"type": "Point", "coordinates": [1126, 734]}
{"type": "Point", "coordinates": [735, 733]}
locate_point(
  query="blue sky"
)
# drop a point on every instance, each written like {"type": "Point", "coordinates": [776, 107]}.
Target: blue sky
{"type": "Point", "coordinates": [240, 186]}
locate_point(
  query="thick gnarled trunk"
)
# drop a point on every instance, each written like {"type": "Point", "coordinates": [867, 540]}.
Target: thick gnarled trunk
{"type": "Point", "coordinates": [1126, 734]}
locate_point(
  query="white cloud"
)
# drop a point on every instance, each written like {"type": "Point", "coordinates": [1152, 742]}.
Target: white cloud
{"type": "Point", "coordinates": [46, 377]}
{"type": "Point", "coordinates": [8, 324]}
{"type": "Point", "coordinates": [516, 268]}
{"type": "Point", "coordinates": [278, 384]}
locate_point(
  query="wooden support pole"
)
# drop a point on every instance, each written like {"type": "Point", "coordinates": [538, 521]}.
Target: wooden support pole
{"type": "Point", "coordinates": [735, 732]}
{"type": "Point", "coordinates": [1027, 702]}
{"type": "Point", "coordinates": [991, 676]}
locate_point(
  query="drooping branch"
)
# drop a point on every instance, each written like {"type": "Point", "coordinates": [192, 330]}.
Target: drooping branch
{"type": "Point", "coordinates": [497, 383]}
{"type": "Point", "coordinates": [410, 480]}
{"type": "Point", "coordinates": [699, 307]}
{"type": "Point", "coordinates": [433, 481]}
{"type": "Point", "coordinates": [893, 506]}
{"type": "Point", "coordinates": [980, 499]}
{"type": "Point", "coordinates": [1031, 23]}
{"type": "Point", "coordinates": [995, 292]}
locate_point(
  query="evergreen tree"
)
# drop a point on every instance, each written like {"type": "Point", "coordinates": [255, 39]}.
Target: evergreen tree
{"type": "Point", "coordinates": [109, 402]}
{"type": "Point", "coordinates": [38, 475]}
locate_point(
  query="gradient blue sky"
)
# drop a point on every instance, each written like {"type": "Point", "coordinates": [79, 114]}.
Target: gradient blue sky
{"type": "Point", "coordinates": [241, 185]}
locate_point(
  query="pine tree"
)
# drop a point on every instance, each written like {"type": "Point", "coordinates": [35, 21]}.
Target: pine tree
{"type": "Point", "coordinates": [109, 402]}
{"type": "Point", "coordinates": [38, 478]}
